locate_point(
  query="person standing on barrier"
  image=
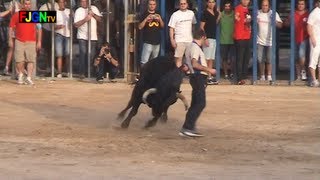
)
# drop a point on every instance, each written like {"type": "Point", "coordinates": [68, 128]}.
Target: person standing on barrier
{"type": "Point", "coordinates": [62, 40]}
{"type": "Point", "coordinates": [150, 23]}
{"type": "Point", "coordinates": [181, 25]}
{"type": "Point", "coordinates": [209, 20]}
{"type": "Point", "coordinates": [242, 35]}
{"type": "Point", "coordinates": [27, 43]}
{"type": "Point", "coordinates": [81, 18]}
{"type": "Point", "coordinates": [314, 33]}
{"type": "Point", "coordinates": [264, 39]}
{"type": "Point", "coordinates": [196, 61]}
{"type": "Point", "coordinates": [226, 38]}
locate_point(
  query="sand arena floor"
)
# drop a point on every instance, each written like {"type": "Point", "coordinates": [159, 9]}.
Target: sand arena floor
{"type": "Point", "coordinates": [68, 130]}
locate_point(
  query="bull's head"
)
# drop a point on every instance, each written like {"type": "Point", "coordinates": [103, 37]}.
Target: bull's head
{"type": "Point", "coordinates": [154, 90]}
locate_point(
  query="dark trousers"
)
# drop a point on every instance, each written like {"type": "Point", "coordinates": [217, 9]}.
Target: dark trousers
{"type": "Point", "coordinates": [198, 101]}
{"type": "Point", "coordinates": [242, 58]}
{"type": "Point", "coordinates": [106, 67]}
{"type": "Point", "coordinates": [83, 54]}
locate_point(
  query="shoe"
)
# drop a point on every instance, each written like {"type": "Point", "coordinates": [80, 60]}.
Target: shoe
{"type": "Point", "coordinates": [242, 82]}
{"type": "Point", "coordinates": [82, 76]}
{"type": "Point", "coordinates": [189, 133]}
{"type": "Point", "coordinates": [262, 78]}
{"type": "Point", "coordinates": [113, 80]}
{"type": "Point", "coordinates": [212, 81]}
{"type": "Point", "coordinates": [29, 81]}
{"type": "Point", "coordinates": [59, 76]}
{"type": "Point", "coordinates": [303, 75]}
{"type": "Point", "coordinates": [314, 83]}
{"type": "Point", "coordinates": [226, 77]}
{"type": "Point", "coordinates": [20, 79]}
{"type": "Point", "coordinates": [100, 81]}
{"type": "Point", "coordinates": [269, 78]}
{"type": "Point", "coordinates": [6, 71]}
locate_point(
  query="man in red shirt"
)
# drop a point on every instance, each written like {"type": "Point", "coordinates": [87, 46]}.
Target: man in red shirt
{"type": "Point", "coordinates": [301, 38]}
{"type": "Point", "coordinates": [27, 43]}
{"type": "Point", "coordinates": [242, 34]}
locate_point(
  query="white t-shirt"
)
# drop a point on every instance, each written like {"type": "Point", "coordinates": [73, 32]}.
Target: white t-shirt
{"type": "Point", "coordinates": [181, 22]}
{"type": "Point", "coordinates": [79, 15]}
{"type": "Point", "coordinates": [194, 51]}
{"type": "Point", "coordinates": [314, 21]}
{"type": "Point", "coordinates": [63, 18]}
{"type": "Point", "coordinates": [264, 27]}
{"type": "Point", "coordinates": [47, 7]}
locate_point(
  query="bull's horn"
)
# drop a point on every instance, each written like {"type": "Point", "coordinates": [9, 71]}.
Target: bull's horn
{"type": "Point", "coordinates": [147, 93]}
{"type": "Point", "coordinates": [184, 100]}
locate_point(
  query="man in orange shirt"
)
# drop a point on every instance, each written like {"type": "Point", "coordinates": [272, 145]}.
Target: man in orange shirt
{"type": "Point", "coordinates": [242, 34]}
{"type": "Point", "coordinates": [27, 43]}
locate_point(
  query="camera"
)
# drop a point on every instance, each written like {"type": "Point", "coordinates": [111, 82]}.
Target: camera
{"type": "Point", "coordinates": [106, 50]}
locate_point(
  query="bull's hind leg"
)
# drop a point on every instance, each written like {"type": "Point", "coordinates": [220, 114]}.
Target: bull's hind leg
{"type": "Point", "coordinates": [164, 116]}
{"type": "Point", "coordinates": [123, 112]}
{"type": "Point", "coordinates": [133, 112]}
{"type": "Point", "coordinates": [152, 122]}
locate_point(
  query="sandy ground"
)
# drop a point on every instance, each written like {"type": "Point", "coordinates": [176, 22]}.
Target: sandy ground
{"type": "Point", "coordinates": [68, 130]}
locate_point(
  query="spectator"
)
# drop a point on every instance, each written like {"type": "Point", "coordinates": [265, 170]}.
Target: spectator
{"type": "Point", "coordinates": [242, 34]}
{"type": "Point", "coordinates": [197, 64]}
{"type": "Point", "coordinates": [81, 18]}
{"type": "Point", "coordinates": [151, 24]}
{"type": "Point", "coordinates": [264, 39]}
{"type": "Point", "coordinates": [27, 43]}
{"type": "Point", "coordinates": [106, 62]}
{"type": "Point", "coordinates": [11, 37]}
{"type": "Point", "coordinates": [314, 33]}
{"type": "Point", "coordinates": [46, 34]}
{"type": "Point", "coordinates": [301, 38]}
{"type": "Point", "coordinates": [62, 28]}
{"type": "Point", "coordinates": [209, 20]}
{"type": "Point", "coordinates": [180, 32]}
{"type": "Point", "coordinates": [226, 36]}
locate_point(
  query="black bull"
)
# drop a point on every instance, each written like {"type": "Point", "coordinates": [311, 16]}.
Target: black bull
{"type": "Point", "coordinates": [158, 87]}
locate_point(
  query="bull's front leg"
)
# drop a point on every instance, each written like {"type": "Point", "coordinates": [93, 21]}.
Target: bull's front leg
{"type": "Point", "coordinates": [133, 112]}
{"type": "Point", "coordinates": [156, 115]}
{"type": "Point", "coordinates": [164, 116]}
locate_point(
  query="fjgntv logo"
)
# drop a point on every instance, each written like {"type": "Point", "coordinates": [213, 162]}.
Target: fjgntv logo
{"type": "Point", "coordinates": [37, 16]}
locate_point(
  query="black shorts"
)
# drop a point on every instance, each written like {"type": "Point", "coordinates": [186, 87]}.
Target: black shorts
{"type": "Point", "coordinates": [226, 51]}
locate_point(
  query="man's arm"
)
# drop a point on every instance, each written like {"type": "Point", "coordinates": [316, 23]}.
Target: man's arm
{"type": "Point", "coordinates": [98, 18]}
{"type": "Point", "coordinates": [143, 23]}
{"type": "Point", "coordinates": [81, 22]}
{"type": "Point", "coordinates": [198, 66]}
{"type": "Point", "coordinates": [39, 38]}
{"type": "Point", "coordinates": [312, 38]}
{"type": "Point", "coordinates": [172, 39]}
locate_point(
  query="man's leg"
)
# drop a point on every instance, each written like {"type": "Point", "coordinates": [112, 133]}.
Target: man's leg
{"type": "Point", "coordinates": [59, 49]}
{"type": "Point", "coordinates": [155, 51]}
{"type": "Point", "coordinates": [82, 57]}
{"type": "Point", "coordinates": [246, 56]}
{"type": "Point", "coordinates": [261, 62]}
{"type": "Point", "coordinates": [240, 50]}
{"type": "Point", "coordinates": [198, 101]}
{"type": "Point", "coordinates": [146, 52]}
{"type": "Point", "coordinates": [302, 58]}
{"type": "Point", "coordinates": [314, 60]}
{"type": "Point", "coordinates": [179, 52]}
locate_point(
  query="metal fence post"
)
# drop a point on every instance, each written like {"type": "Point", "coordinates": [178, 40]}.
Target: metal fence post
{"type": "Point", "coordinates": [292, 43]}
{"type": "Point", "coordinates": [126, 27]}
{"type": "Point", "coordinates": [273, 26]}
{"type": "Point", "coordinates": [254, 41]}
{"type": "Point", "coordinates": [71, 40]}
{"type": "Point", "coordinates": [52, 41]}
{"type": "Point", "coordinates": [218, 57]}
{"type": "Point", "coordinates": [311, 5]}
{"type": "Point", "coordinates": [89, 42]}
{"type": "Point", "coordinates": [163, 31]}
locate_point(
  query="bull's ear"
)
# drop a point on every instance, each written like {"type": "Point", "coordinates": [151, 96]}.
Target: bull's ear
{"type": "Point", "coordinates": [184, 100]}
{"type": "Point", "coordinates": [147, 93]}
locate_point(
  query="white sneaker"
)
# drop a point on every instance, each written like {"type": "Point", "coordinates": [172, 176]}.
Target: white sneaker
{"type": "Point", "coordinates": [59, 76]}
{"type": "Point", "coordinates": [20, 79]}
{"type": "Point", "coordinates": [303, 75]}
{"type": "Point", "coordinates": [29, 81]}
{"type": "Point", "coordinates": [314, 83]}
{"type": "Point", "coordinates": [262, 78]}
{"type": "Point", "coordinates": [269, 78]}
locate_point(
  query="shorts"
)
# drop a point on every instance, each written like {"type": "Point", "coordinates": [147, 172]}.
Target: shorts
{"type": "Point", "coordinates": [181, 49]}
{"type": "Point", "coordinates": [264, 54]}
{"type": "Point", "coordinates": [301, 49]}
{"type": "Point", "coordinates": [227, 51]}
{"type": "Point", "coordinates": [210, 51]}
{"type": "Point", "coordinates": [314, 56]}
{"type": "Point", "coordinates": [25, 51]}
{"type": "Point", "coordinates": [62, 45]}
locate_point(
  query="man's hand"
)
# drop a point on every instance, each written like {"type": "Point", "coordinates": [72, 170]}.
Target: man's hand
{"type": "Point", "coordinates": [313, 42]}
{"type": "Point", "coordinates": [173, 43]}
{"type": "Point", "coordinates": [38, 46]}
{"type": "Point", "coordinates": [108, 56]}
{"type": "Point", "coordinates": [212, 71]}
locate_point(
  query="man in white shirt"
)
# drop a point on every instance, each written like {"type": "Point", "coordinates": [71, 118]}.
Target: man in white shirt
{"type": "Point", "coordinates": [180, 25]}
{"type": "Point", "coordinates": [62, 28]}
{"type": "Point", "coordinates": [199, 71]}
{"type": "Point", "coordinates": [81, 18]}
{"type": "Point", "coordinates": [314, 33]}
{"type": "Point", "coordinates": [264, 39]}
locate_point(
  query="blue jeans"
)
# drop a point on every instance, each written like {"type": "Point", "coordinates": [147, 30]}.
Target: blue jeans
{"type": "Point", "coordinates": [83, 62]}
{"type": "Point", "coordinates": [105, 66]}
{"type": "Point", "coordinates": [62, 45]}
{"type": "Point", "coordinates": [147, 50]}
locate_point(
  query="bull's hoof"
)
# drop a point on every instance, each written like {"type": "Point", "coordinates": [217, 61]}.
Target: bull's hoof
{"type": "Point", "coordinates": [124, 124]}
{"type": "Point", "coordinates": [164, 118]}
{"type": "Point", "coordinates": [150, 124]}
{"type": "Point", "coordinates": [121, 115]}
